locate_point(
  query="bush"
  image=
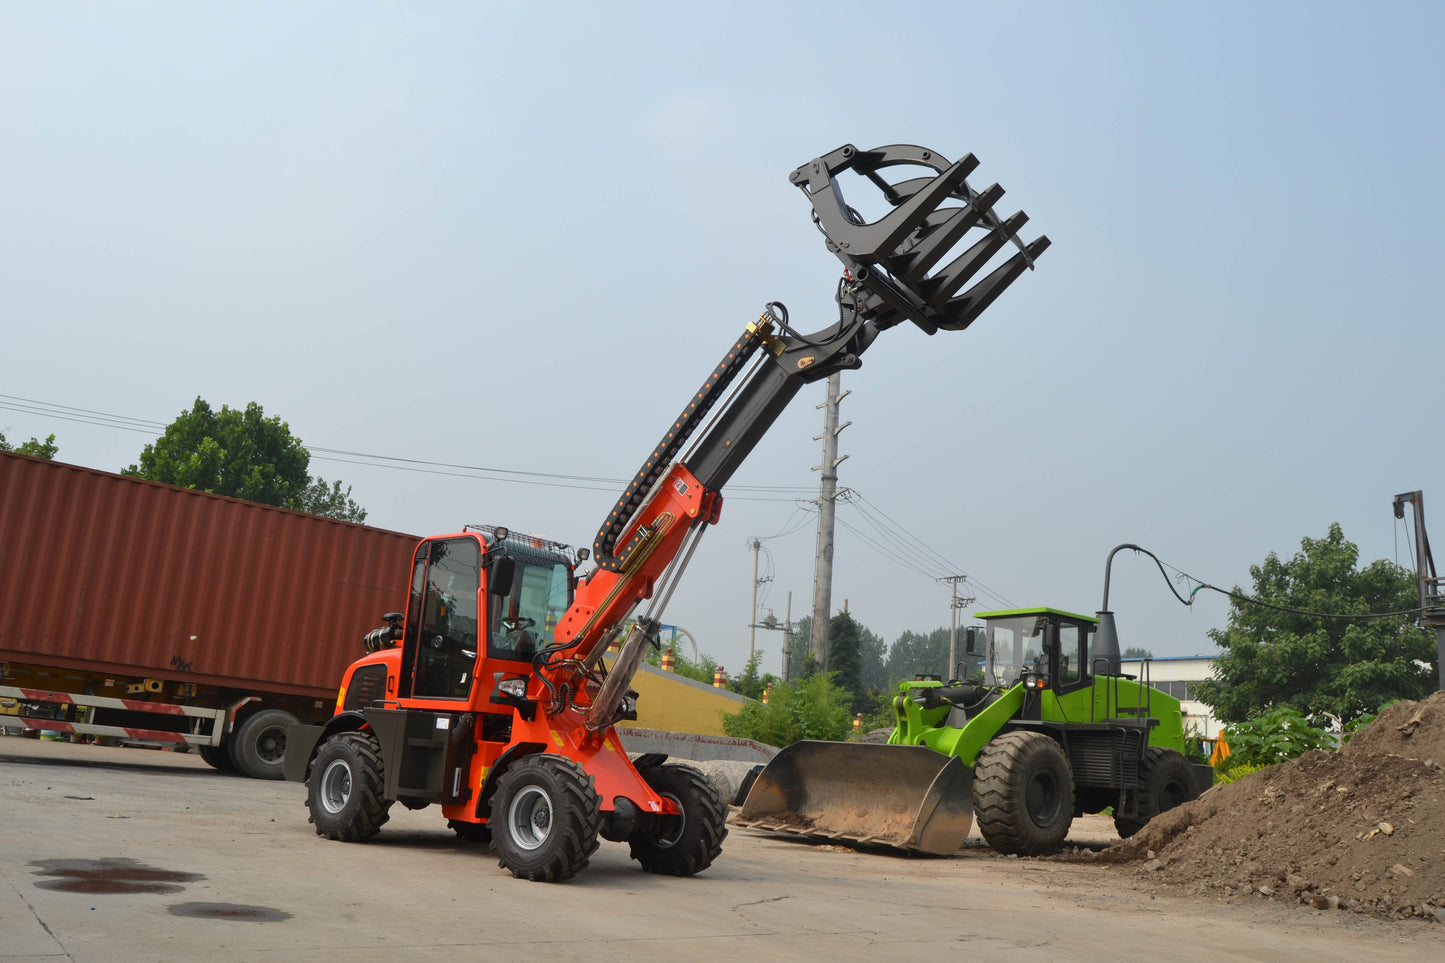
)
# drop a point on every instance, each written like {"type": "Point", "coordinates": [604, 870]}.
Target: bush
{"type": "Point", "coordinates": [814, 708]}
{"type": "Point", "coordinates": [1278, 735]}
{"type": "Point", "coordinates": [1228, 774]}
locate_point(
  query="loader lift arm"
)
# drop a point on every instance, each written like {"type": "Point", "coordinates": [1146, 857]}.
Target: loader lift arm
{"type": "Point", "coordinates": [642, 547]}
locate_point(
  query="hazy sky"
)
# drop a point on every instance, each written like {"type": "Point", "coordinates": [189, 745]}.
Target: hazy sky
{"type": "Point", "coordinates": [520, 236]}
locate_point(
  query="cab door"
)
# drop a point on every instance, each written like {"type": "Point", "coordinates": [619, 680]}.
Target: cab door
{"type": "Point", "coordinates": [440, 639]}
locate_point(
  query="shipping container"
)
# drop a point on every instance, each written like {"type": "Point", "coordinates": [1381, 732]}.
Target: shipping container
{"type": "Point", "coordinates": [135, 610]}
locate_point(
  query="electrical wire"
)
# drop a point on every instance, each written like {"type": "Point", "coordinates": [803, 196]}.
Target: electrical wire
{"type": "Point", "coordinates": [370, 460]}
{"type": "Point", "coordinates": [1250, 600]}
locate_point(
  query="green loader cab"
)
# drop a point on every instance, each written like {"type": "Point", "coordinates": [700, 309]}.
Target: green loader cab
{"type": "Point", "coordinates": [1045, 730]}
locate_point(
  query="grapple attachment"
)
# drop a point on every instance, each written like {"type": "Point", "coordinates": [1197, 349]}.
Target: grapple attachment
{"type": "Point", "coordinates": [894, 257]}
{"type": "Point", "coordinates": [906, 797]}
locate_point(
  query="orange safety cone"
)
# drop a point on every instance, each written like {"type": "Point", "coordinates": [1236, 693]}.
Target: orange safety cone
{"type": "Point", "coordinates": [669, 661]}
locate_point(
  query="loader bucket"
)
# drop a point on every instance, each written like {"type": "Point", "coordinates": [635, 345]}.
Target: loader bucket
{"type": "Point", "coordinates": [906, 797]}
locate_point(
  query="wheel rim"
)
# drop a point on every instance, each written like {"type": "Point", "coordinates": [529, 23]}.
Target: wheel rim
{"type": "Point", "coordinates": [529, 818]}
{"type": "Point", "coordinates": [335, 786]}
{"type": "Point", "coordinates": [1042, 798]}
{"type": "Point", "coordinates": [1172, 794]}
{"type": "Point", "coordinates": [271, 744]}
{"type": "Point", "coordinates": [669, 827]}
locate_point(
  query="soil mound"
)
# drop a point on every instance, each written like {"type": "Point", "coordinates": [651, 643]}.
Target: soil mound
{"type": "Point", "coordinates": [1360, 829]}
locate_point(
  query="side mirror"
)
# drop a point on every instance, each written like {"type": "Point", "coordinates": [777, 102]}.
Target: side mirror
{"type": "Point", "coordinates": [500, 576]}
{"type": "Point", "coordinates": [970, 639]}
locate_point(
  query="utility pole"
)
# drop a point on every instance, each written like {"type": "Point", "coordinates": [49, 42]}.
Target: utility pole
{"type": "Point", "coordinates": [753, 617]}
{"type": "Point", "coordinates": [827, 496]}
{"type": "Point", "coordinates": [787, 636]}
{"type": "Point", "coordinates": [956, 603]}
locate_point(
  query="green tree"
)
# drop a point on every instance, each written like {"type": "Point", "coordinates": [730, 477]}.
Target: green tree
{"type": "Point", "coordinates": [1344, 667]}
{"type": "Point", "coordinates": [814, 708]}
{"type": "Point", "coordinates": [1135, 652]}
{"type": "Point", "coordinates": [35, 448]}
{"type": "Point", "coordinates": [913, 654]}
{"type": "Point", "coordinates": [244, 454]}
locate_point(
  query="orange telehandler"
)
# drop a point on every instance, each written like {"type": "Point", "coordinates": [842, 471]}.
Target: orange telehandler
{"type": "Point", "coordinates": [490, 697]}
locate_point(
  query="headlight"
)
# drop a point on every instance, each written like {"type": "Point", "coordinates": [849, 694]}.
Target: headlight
{"type": "Point", "coordinates": [516, 688]}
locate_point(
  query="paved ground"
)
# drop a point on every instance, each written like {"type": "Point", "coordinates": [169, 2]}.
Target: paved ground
{"type": "Point", "coordinates": [130, 854]}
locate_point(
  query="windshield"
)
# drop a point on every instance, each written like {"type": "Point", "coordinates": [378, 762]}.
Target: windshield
{"type": "Point", "coordinates": [1014, 646]}
{"type": "Point", "coordinates": [522, 621]}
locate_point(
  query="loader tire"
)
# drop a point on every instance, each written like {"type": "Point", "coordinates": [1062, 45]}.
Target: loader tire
{"type": "Point", "coordinates": [345, 789]}
{"type": "Point", "coordinates": [686, 844]}
{"type": "Point", "coordinates": [1023, 794]}
{"type": "Point", "coordinates": [258, 746]}
{"type": "Point", "coordinates": [472, 832]}
{"type": "Point", "coordinates": [545, 819]}
{"type": "Point", "coordinates": [1164, 782]}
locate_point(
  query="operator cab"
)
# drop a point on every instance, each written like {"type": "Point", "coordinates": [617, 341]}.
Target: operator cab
{"type": "Point", "coordinates": [486, 593]}
{"type": "Point", "coordinates": [1043, 647]}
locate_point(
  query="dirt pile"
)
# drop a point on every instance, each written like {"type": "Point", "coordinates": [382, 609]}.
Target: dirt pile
{"type": "Point", "coordinates": [1361, 829]}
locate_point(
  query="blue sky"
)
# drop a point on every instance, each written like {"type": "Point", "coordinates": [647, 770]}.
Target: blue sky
{"type": "Point", "coordinates": [520, 237]}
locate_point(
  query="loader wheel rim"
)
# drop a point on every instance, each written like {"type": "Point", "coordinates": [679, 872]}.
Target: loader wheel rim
{"type": "Point", "coordinates": [335, 786]}
{"type": "Point", "coordinates": [529, 818]}
{"type": "Point", "coordinates": [1042, 798]}
{"type": "Point", "coordinates": [670, 828]}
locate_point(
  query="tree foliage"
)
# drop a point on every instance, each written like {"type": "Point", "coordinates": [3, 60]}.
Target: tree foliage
{"type": "Point", "coordinates": [244, 454]}
{"type": "Point", "coordinates": [1321, 666]}
{"type": "Point", "coordinates": [1136, 652]}
{"type": "Point", "coordinates": [813, 708]}
{"type": "Point", "coordinates": [913, 654]}
{"type": "Point", "coordinates": [35, 448]}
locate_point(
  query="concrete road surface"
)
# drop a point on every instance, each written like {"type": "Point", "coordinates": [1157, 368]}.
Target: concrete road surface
{"type": "Point", "coordinates": [130, 854]}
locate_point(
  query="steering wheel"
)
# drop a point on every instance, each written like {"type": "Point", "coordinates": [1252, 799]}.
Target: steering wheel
{"type": "Point", "coordinates": [520, 622]}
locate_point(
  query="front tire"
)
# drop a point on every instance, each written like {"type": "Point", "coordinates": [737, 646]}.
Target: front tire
{"type": "Point", "coordinates": [1023, 794]}
{"type": "Point", "coordinates": [258, 746]}
{"type": "Point", "coordinates": [686, 844]}
{"type": "Point", "coordinates": [345, 789]}
{"type": "Point", "coordinates": [1165, 781]}
{"type": "Point", "coordinates": [545, 819]}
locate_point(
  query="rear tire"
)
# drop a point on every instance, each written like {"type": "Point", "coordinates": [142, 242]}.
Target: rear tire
{"type": "Point", "coordinates": [472, 832]}
{"type": "Point", "coordinates": [686, 844]}
{"type": "Point", "coordinates": [1023, 794]}
{"type": "Point", "coordinates": [344, 791]}
{"type": "Point", "coordinates": [1165, 781]}
{"type": "Point", "coordinates": [545, 819]}
{"type": "Point", "coordinates": [258, 746]}
{"type": "Point", "coordinates": [218, 758]}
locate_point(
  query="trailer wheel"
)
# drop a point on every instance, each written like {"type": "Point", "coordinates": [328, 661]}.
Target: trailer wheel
{"type": "Point", "coordinates": [686, 844]}
{"type": "Point", "coordinates": [1023, 793]}
{"type": "Point", "coordinates": [545, 818]}
{"type": "Point", "coordinates": [218, 758]}
{"type": "Point", "coordinates": [1164, 782]}
{"type": "Point", "coordinates": [258, 746]}
{"type": "Point", "coordinates": [345, 789]}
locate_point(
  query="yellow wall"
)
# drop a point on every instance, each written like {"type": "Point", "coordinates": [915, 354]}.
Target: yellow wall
{"type": "Point", "coordinates": [676, 703]}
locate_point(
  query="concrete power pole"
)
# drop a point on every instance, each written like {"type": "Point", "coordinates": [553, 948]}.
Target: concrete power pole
{"type": "Point", "coordinates": [753, 615]}
{"type": "Point", "coordinates": [827, 496]}
{"type": "Point", "coordinates": [956, 603]}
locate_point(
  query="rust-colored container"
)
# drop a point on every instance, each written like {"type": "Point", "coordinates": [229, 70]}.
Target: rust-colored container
{"type": "Point", "coordinates": [106, 573]}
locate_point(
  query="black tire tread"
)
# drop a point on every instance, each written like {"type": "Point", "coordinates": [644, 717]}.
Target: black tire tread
{"type": "Point", "coordinates": [705, 829]}
{"type": "Point", "coordinates": [367, 789]}
{"type": "Point", "coordinates": [1153, 767]}
{"type": "Point", "coordinates": [999, 809]}
{"type": "Point", "coordinates": [579, 838]}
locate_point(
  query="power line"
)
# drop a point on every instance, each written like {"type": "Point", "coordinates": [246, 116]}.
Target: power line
{"type": "Point", "coordinates": [369, 460]}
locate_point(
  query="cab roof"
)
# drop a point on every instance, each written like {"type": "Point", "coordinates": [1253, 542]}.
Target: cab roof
{"type": "Point", "coordinates": [1039, 610]}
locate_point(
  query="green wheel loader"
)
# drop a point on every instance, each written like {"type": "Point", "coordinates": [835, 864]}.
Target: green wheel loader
{"type": "Point", "coordinates": [1043, 730]}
